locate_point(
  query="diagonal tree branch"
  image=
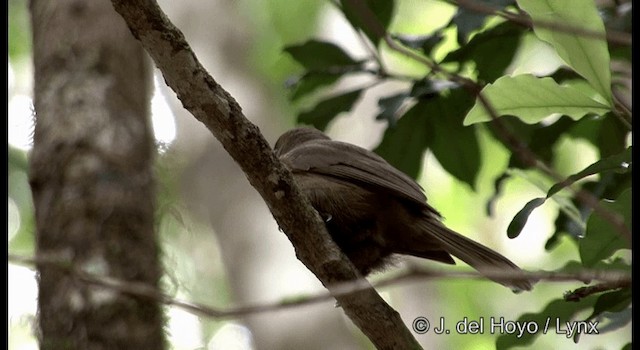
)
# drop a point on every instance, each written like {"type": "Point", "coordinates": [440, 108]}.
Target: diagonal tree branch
{"type": "Point", "coordinates": [220, 113]}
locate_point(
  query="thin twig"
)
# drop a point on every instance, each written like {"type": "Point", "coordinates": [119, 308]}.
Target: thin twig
{"type": "Point", "coordinates": [608, 277]}
{"type": "Point", "coordinates": [611, 36]}
{"type": "Point", "coordinates": [584, 292]}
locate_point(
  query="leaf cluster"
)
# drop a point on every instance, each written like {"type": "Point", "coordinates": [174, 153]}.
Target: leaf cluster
{"type": "Point", "coordinates": [438, 113]}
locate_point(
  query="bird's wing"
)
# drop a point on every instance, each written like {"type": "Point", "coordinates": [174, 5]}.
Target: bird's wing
{"type": "Point", "coordinates": [354, 164]}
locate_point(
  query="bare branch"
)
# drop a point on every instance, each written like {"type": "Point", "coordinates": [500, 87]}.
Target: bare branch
{"type": "Point", "coordinates": [612, 279]}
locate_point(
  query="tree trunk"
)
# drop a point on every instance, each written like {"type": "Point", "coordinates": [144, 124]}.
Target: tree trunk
{"type": "Point", "coordinates": [92, 178]}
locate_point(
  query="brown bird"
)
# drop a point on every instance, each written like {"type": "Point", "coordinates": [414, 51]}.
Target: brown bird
{"type": "Point", "coordinates": [373, 210]}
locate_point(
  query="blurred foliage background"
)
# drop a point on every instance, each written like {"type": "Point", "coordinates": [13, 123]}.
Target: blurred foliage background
{"type": "Point", "coordinates": [222, 248]}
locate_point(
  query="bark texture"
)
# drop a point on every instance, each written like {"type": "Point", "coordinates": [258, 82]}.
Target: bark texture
{"type": "Point", "coordinates": [92, 178]}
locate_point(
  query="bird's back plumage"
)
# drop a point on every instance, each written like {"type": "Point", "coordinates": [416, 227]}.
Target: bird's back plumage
{"type": "Point", "coordinates": [372, 209]}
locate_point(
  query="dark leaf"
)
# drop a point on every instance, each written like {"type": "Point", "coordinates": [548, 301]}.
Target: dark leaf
{"type": "Point", "coordinates": [621, 52]}
{"type": "Point", "coordinates": [468, 20]}
{"type": "Point", "coordinates": [424, 43]}
{"type": "Point", "coordinates": [520, 219]}
{"type": "Point", "coordinates": [557, 312]}
{"type": "Point", "coordinates": [617, 320]}
{"type": "Point", "coordinates": [612, 302]}
{"type": "Point", "coordinates": [318, 55]}
{"type": "Point", "coordinates": [311, 81]}
{"type": "Point", "coordinates": [389, 107]}
{"type": "Point", "coordinates": [382, 11]}
{"type": "Point", "coordinates": [455, 146]}
{"type": "Point", "coordinates": [422, 87]}
{"type": "Point", "coordinates": [610, 185]}
{"type": "Point", "coordinates": [497, 191]}
{"type": "Point", "coordinates": [615, 183]}
{"type": "Point", "coordinates": [428, 88]}
{"type": "Point", "coordinates": [615, 303]}
{"type": "Point", "coordinates": [539, 138]}
{"type": "Point", "coordinates": [435, 123]}
{"type": "Point", "coordinates": [564, 75]}
{"type": "Point", "coordinates": [404, 144]}
{"type": "Point", "coordinates": [544, 137]}
{"type": "Point", "coordinates": [320, 115]}
{"type": "Point", "coordinates": [602, 239]}
{"type": "Point", "coordinates": [564, 224]}
{"type": "Point", "coordinates": [606, 133]}
{"type": "Point", "coordinates": [612, 136]}
{"type": "Point", "coordinates": [492, 50]}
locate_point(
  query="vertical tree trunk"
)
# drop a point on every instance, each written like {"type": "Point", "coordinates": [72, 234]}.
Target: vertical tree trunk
{"type": "Point", "coordinates": [92, 178]}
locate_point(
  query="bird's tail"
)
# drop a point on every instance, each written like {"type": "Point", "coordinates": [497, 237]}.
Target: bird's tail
{"type": "Point", "coordinates": [475, 254]}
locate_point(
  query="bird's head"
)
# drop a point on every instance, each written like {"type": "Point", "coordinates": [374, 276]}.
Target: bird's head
{"type": "Point", "coordinates": [296, 137]}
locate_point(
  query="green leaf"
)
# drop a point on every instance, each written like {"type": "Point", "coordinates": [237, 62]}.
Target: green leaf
{"type": "Point", "coordinates": [587, 55]}
{"type": "Point", "coordinates": [615, 303]}
{"type": "Point", "coordinates": [612, 136]}
{"type": "Point", "coordinates": [540, 138]}
{"type": "Point", "coordinates": [602, 239]}
{"type": "Point", "coordinates": [607, 133]}
{"type": "Point", "coordinates": [389, 107]}
{"type": "Point", "coordinates": [520, 219]}
{"type": "Point", "coordinates": [533, 99]}
{"type": "Point", "coordinates": [428, 88]}
{"type": "Point", "coordinates": [492, 50]}
{"type": "Point", "coordinates": [564, 203]}
{"type": "Point", "coordinates": [423, 88]}
{"type": "Point", "coordinates": [455, 146]}
{"type": "Point", "coordinates": [310, 82]}
{"type": "Point", "coordinates": [543, 138]}
{"type": "Point", "coordinates": [320, 115]}
{"type": "Point", "coordinates": [322, 56]}
{"type": "Point", "coordinates": [433, 123]}
{"type": "Point", "coordinates": [612, 302]}
{"type": "Point", "coordinates": [382, 11]}
{"type": "Point", "coordinates": [498, 187]}
{"type": "Point", "coordinates": [468, 20]}
{"type": "Point", "coordinates": [424, 43]}
{"type": "Point", "coordinates": [565, 224]}
{"type": "Point", "coordinates": [620, 163]}
{"type": "Point", "coordinates": [404, 144]}
{"type": "Point", "coordinates": [558, 310]}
